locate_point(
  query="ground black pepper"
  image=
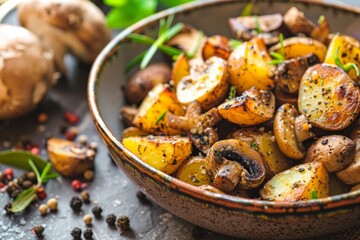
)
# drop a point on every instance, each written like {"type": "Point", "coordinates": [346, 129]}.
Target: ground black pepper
{"type": "Point", "coordinates": [38, 230]}
{"type": "Point", "coordinates": [123, 223]}
{"type": "Point", "coordinates": [111, 219]}
{"type": "Point", "coordinates": [76, 233]}
{"type": "Point", "coordinates": [97, 210]}
{"type": "Point", "coordinates": [76, 204]}
{"type": "Point", "coordinates": [88, 234]}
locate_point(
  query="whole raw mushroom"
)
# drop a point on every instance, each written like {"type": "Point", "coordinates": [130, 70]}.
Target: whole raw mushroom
{"type": "Point", "coordinates": [26, 71]}
{"type": "Point", "coordinates": [66, 26]}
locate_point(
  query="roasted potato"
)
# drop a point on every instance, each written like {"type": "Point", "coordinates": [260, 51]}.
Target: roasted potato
{"type": "Point", "coordinates": [301, 46]}
{"type": "Point", "coordinates": [207, 84]}
{"type": "Point", "coordinates": [328, 97]}
{"type": "Point", "coordinates": [144, 80]}
{"type": "Point", "coordinates": [216, 46]}
{"type": "Point", "coordinates": [249, 66]}
{"type": "Point", "coordinates": [180, 69]}
{"type": "Point", "coordinates": [193, 171]}
{"type": "Point", "coordinates": [301, 182]}
{"type": "Point", "coordinates": [152, 114]}
{"type": "Point", "coordinates": [349, 52]}
{"type": "Point", "coordinates": [161, 152]}
{"type": "Point", "coordinates": [254, 106]}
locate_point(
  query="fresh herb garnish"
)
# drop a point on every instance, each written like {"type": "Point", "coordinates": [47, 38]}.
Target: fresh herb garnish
{"type": "Point", "coordinates": [161, 117]}
{"type": "Point", "coordinates": [234, 43]}
{"type": "Point", "coordinates": [257, 25]}
{"type": "Point", "coordinates": [196, 46]}
{"type": "Point", "coordinates": [347, 67]}
{"type": "Point", "coordinates": [248, 9]}
{"type": "Point", "coordinates": [254, 145]}
{"type": "Point", "coordinates": [232, 92]}
{"type": "Point", "coordinates": [321, 19]}
{"type": "Point", "coordinates": [278, 57]}
{"type": "Point", "coordinates": [313, 194]}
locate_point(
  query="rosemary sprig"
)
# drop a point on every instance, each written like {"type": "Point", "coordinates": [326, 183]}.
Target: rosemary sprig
{"type": "Point", "coordinates": [232, 92]}
{"type": "Point", "coordinates": [278, 57]}
{"type": "Point", "coordinates": [347, 67]}
{"type": "Point", "coordinates": [234, 43]}
{"type": "Point", "coordinates": [161, 117]}
{"type": "Point", "coordinates": [257, 25]}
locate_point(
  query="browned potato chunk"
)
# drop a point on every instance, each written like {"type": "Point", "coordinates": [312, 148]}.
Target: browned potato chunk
{"type": "Point", "coordinates": [298, 183]}
{"type": "Point", "coordinates": [144, 80]}
{"type": "Point", "coordinates": [249, 66]}
{"type": "Point", "coordinates": [328, 97]}
{"type": "Point", "coordinates": [253, 107]}
{"type": "Point", "coordinates": [180, 69]}
{"type": "Point", "coordinates": [193, 171]}
{"type": "Point", "coordinates": [216, 46]}
{"type": "Point", "coordinates": [336, 152]}
{"type": "Point", "coordinates": [161, 152]}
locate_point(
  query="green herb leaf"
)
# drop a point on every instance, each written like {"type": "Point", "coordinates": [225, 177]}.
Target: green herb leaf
{"type": "Point", "coordinates": [321, 19]}
{"type": "Point", "coordinates": [45, 172]}
{"type": "Point", "coordinates": [161, 117]}
{"type": "Point", "coordinates": [276, 55]}
{"type": "Point", "coordinates": [173, 3]}
{"type": "Point", "coordinates": [257, 25]}
{"type": "Point", "coordinates": [313, 194]}
{"type": "Point", "coordinates": [23, 200]}
{"type": "Point", "coordinates": [254, 145]}
{"type": "Point", "coordinates": [234, 43]}
{"type": "Point", "coordinates": [281, 40]}
{"type": "Point", "coordinates": [248, 9]}
{"type": "Point", "coordinates": [36, 171]}
{"type": "Point", "coordinates": [134, 62]}
{"type": "Point", "coordinates": [196, 46]}
{"type": "Point", "coordinates": [347, 67]}
{"type": "Point", "coordinates": [232, 92]}
{"type": "Point", "coordinates": [20, 159]}
{"type": "Point", "coordinates": [116, 3]}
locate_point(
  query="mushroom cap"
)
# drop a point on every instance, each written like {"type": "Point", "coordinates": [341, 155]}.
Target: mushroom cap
{"type": "Point", "coordinates": [26, 71]}
{"type": "Point", "coordinates": [76, 26]}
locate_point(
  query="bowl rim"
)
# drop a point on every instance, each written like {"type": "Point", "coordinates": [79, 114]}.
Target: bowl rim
{"type": "Point", "coordinates": [223, 200]}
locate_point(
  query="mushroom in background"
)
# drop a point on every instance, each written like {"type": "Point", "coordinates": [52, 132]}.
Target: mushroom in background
{"type": "Point", "coordinates": [75, 26]}
{"type": "Point", "coordinates": [26, 71]}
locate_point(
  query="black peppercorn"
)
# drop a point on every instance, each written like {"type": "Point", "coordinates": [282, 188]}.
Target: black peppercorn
{"type": "Point", "coordinates": [76, 233]}
{"type": "Point", "coordinates": [198, 232]}
{"type": "Point", "coordinates": [38, 230]}
{"type": "Point", "coordinates": [97, 211]}
{"type": "Point", "coordinates": [88, 234]}
{"type": "Point", "coordinates": [7, 208]}
{"type": "Point", "coordinates": [111, 219]}
{"type": "Point", "coordinates": [31, 176]}
{"type": "Point", "coordinates": [76, 204]}
{"type": "Point", "coordinates": [13, 190]}
{"type": "Point", "coordinates": [26, 184]}
{"type": "Point", "coordinates": [123, 223]}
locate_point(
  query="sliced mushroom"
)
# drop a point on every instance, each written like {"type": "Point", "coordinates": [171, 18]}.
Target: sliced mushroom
{"type": "Point", "coordinates": [283, 97]}
{"type": "Point", "coordinates": [290, 131]}
{"type": "Point", "coordinates": [253, 107]}
{"type": "Point", "coordinates": [232, 162]}
{"type": "Point", "coordinates": [328, 97]}
{"type": "Point", "coordinates": [336, 152]}
{"type": "Point", "coordinates": [289, 73]}
{"type": "Point", "coordinates": [216, 46]}
{"type": "Point", "coordinates": [296, 22]}
{"type": "Point", "coordinates": [75, 26]}
{"type": "Point", "coordinates": [26, 71]}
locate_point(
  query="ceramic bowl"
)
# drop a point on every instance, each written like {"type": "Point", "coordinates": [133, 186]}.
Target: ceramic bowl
{"type": "Point", "coordinates": [234, 216]}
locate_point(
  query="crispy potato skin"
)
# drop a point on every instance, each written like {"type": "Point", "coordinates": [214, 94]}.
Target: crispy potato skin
{"type": "Point", "coordinates": [216, 46]}
{"type": "Point", "coordinates": [301, 46]}
{"type": "Point", "coordinates": [297, 183]}
{"type": "Point", "coordinates": [161, 99]}
{"type": "Point", "coordinates": [180, 69]}
{"type": "Point", "coordinates": [328, 97]}
{"type": "Point", "coordinates": [193, 171]}
{"type": "Point", "coordinates": [144, 80]}
{"type": "Point", "coordinates": [248, 66]}
{"type": "Point", "coordinates": [161, 152]}
{"type": "Point", "coordinates": [349, 52]}
{"type": "Point", "coordinates": [253, 107]}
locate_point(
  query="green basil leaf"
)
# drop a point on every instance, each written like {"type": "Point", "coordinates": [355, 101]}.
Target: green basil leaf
{"type": "Point", "coordinates": [116, 3]}
{"type": "Point", "coordinates": [23, 200]}
{"type": "Point", "coordinates": [173, 3]}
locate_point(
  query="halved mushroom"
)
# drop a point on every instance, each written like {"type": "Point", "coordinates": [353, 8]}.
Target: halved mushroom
{"type": "Point", "coordinates": [291, 130]}
{"type": "Point", "coordinates": [289, 73]}
{"type": "Point", "coordinates": [233, 162]}
{"type": "Point", "coordinates": [216, 46]}
{"type": "Point", "coordinates": [207, 84]}
{"type": "Point", "coordinates": [128, 114]}
{"type": "Point", "coordinates": [253, 107]}
{"type": "Point", "coordinates": [75, 26]}
{"type": "Point", "coordinates": [296, 22]}
{"type": "Point", "coordinates": [283, 97]}
{"type": "Point", "coordinates": [328, 97]}
{"type": "Point", "coordinates": [336, 152]}
{"type": "Point", "coordinates": [26, 71]}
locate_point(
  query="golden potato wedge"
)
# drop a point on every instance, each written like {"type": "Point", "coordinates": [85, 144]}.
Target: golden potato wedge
{"type": "Point", "coordinates": [248, 66]}
{"type": "Point", "coordinates": [253, 107]}
{"type": "Point", "coordinates": [207, 84]}
{"type": "Point", "coordinates": [180, 69]}
{"type": "Point", "coordinates": [349, 52]}
{"type": "Point", "coordinates": [301, 46]}
{"type": "Point", "coordinates": [216, 46]}
{"type": "Point", "coordinates": [301, 182]}
{"type": "Point", "coordinates": [328, 97]}
{"type": "Point", "coordinates": [193, 171]}
{"type": "Point", "coordinates": [152, 114]}
{"type": "Point", "coordinates": [161, 152]}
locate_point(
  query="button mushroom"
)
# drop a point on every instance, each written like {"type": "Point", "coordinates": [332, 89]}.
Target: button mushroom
{"type": "Point", "coordinates": [26, 71]}
{"type": "Point", "coordinates": [336, 152]}
{"type": "Point", "coordinates": [233, 162]}
{"type": "Point", "coordinates": [75, 26]}
{"type": "Point", "coordinates": [296, 22]}
{"type": "Point", "coordinates": [290, 131]}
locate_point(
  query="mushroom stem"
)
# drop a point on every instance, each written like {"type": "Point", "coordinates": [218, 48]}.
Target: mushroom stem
{"type": "Point", "coordinates": [302, 128]}
{"type": "Point", "coordinates": [228, 176]}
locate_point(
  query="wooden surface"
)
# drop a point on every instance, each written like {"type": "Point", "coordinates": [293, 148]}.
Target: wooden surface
{"type": "Point", "coordinates": [110, 188]}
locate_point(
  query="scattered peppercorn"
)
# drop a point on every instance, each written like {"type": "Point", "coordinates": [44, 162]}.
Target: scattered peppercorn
{"type": "Point", "coordinates": [88, 234]}
{"type": "Point", "coordinates": [40, 193]}
{"type": "Point", "coordinates": [198, 232]}
{"type": "Point", "coordinates": [89, 175]}
{"type": "Point", "coordinates": [76, 204]}
{"type": "Point", "coordinates": [85, 196]}
{"type": "Point", "coordinates": [71, 118]}
{"type": "Point", "coordinates": [31, 176]}
{"type": "Point", "coordinates": [52, 204]}
{"type": "Point", "coordinates": [76, 233]}
{"type": "Point", "coordinates": [111, 219]}
{"type": "Point", "coordinates": [26, 184]}
{"type": "Point", "coordinates": [123, 223]}
{"type": "Point", "coordinates": [2, 185]}
{"type": "Point", "coordinates": [38, 230]}
{"type": "Point", "coordinates": [76, 185]}
{"type": "Point", "coordinates": [97, 210]}
{"type": "Point", "coordinates": [9, 173]}
{"type": "Point", "coordinates": [7, 208]}
{"type": "Point", "coordinates": [87, 219]}
{"type": "Point", "coordinates": [35, 150]}
{"type": "Point", "coordinates": [43, 209]}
